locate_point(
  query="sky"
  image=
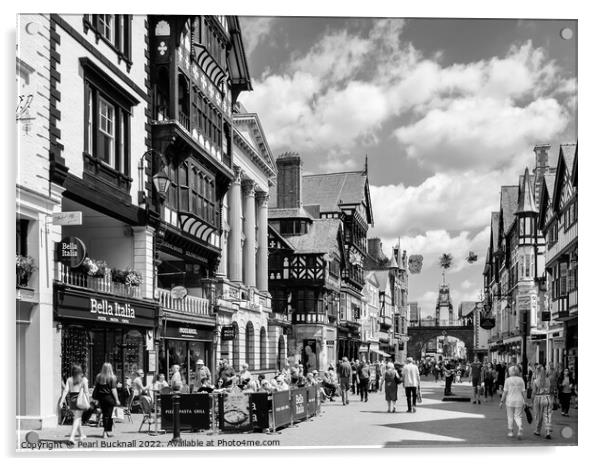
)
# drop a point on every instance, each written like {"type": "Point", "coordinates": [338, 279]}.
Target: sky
{"type": "Point", "coordinates": [447, 111]}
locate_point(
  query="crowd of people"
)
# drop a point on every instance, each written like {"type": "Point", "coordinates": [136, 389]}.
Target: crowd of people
{"type": "Point", "coordinates": [542, 389]}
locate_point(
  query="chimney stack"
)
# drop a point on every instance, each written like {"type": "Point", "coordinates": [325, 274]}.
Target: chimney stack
{"type": "Point", "coordinates": [542, 167]}
{"type": "Point", "coordinates": [289, 180]}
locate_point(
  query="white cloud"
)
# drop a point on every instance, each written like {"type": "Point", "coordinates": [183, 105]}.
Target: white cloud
{"type": "Point", "coordinates": [349, 85]}
{"type": "Point", "coordinates": [466, 284]}
{"type": "Point", "coordinates": [254, 30]}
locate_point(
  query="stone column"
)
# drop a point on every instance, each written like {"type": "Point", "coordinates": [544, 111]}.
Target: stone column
{"type": "Point", "coordinates": [143, 258]}
{"type": "Point", "coordinates": [235, 235]}
{"type": "Point", "coordinates": [248, 187]}
{"type": "Point", "coordinates": [222, 270]}
{"type": "Point", "coordinates": [262, 241]}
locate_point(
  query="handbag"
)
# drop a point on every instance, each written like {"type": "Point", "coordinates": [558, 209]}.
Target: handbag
{"type": "Point", "coordinates": [529, 391]}
{"type": "Point", "coordinates": [529, 414]}
{"type": "Point", "coordinates": [118, 413]}
{"type": "Point", "coordinates": [83, 402]}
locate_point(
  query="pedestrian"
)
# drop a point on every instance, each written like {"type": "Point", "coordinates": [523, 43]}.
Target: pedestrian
{"type": "Point", "coordinates": [501, 376]}
{"type": "Point", "coordinates": [378, 374]}
{"type": "Point", "coordinates": [201, 372]}
{"type": "Point", "coordinates": [176, 381]}
{"type": "Point", "coordinates": [436, 372]}
{"type": "Point", "coordinates": [448, 372]}
{"type": "Point", "coordinates": [489, 381]}
{"type": "Point", "coordinates": [105, 392]}
{"type": "Point", "coordinates": [566, 386]}
{"type": "Point", "coordinates": [542, 401]}
{"type": "Point", "coordinates": [75, 385]}
{"type": "Point", "coordinates": [515, 398]}
{"type": "Point", "coordinates": [344, 380]}
{"type": "Point", "coordinates": [363, 375]}
{"type": "Point", "coordinates": [476, 374]}
{"type": "Point", "coordinates": [411, 382]}
{"type": "Point", "coordinates": [391, 382]}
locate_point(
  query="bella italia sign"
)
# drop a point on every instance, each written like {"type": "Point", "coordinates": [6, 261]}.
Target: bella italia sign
{"type": "Point", "coordinates": [85, 305]}
{"type": "Point", "coordinates": [71, 251]}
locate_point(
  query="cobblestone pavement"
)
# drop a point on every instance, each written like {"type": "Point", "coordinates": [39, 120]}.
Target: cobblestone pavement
{"type": "Point", "coordinates": [435, 423]}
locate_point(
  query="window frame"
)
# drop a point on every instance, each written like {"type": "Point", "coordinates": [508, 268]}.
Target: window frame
{"type": "Point", "coordinates": [121, 33]}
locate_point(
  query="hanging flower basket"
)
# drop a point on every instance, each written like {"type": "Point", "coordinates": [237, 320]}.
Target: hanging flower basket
{"type": "Point", "coordinates": [25, 267]}
{"type": "Point", "coordinates": [94, 268]}
{"type": "Point", "coordinates": [127, 277]}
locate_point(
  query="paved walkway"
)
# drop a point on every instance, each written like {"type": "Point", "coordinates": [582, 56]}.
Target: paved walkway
{"type": "Point", "coordinates": [436, 423]}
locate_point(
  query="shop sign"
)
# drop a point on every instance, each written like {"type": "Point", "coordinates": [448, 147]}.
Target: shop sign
{"type": "Point", "coordinates": [329, 342]}
{"type": "Point", "coordinates": [546, 316]}
{"type": "Point", "coordinates": [299, 404]}
{"type": "Point", "coordinates": [363, 349]}
{"type": "Point", "coordinates": [228, 333]}
{"type": "Point", "coordinates": [178, 292]}
{"type": "Point", "coordinates": [66, 218]}
{"type": "Point", "coordinates": [234, 412]}
{"type": "Point", "coordinates": [487, 323]}
{"type": "Point", "coordinates": [183, 332]}
{"type": "Point", "coordinates": [537, 337]}
{"type": "Point", "coordinates": [71, 251]}
{"type": "Point", "coordinates": [84, 305]}
{"type": "Point", "coordinates": [524, 303]}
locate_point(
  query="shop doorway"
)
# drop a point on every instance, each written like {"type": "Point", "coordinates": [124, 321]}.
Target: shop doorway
{"type": "Point", "coordinates": [185, 354]}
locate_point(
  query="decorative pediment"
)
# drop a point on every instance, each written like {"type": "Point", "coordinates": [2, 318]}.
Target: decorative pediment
{"type": "Point", "coordinates": [249, 135]}
{"type": "Point", "coordinates": [276, 241]}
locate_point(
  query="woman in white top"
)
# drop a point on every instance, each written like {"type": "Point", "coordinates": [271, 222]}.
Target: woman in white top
{"type": "Point", "coordinates": [176, 379]}
{"type": "Point", "coordinates": [515, 398]}
{"type": "Point", "coordinates": [76, 383]}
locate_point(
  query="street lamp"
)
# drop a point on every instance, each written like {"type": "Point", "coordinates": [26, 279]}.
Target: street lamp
{"type": "Point", "coordinates": [161, 183]}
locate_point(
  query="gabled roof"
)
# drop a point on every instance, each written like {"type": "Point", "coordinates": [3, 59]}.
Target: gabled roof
{"type": "Point", "coordinates": [329, 190]}
{"type": "Point", "coordinates": [526, 199]}
{"type": "Point", "coordinates": [495, 230]}
{"type": "Point", "coordinates": [383, 277]}
{"type": "Point", "coordinates": [566, 158]}
{"type": "Point", "coordinates": [547, 192]}
{"type": "Point", "coordinates": [466, 308]}
{"type": "Point", "coordinates": [574, 171]}
{"type": "Point", "coordinates": [279, 237]}
{"type": "Point", "coordinates": [508, 206]}
{"type": "Point", "coordinates": [322, 237]}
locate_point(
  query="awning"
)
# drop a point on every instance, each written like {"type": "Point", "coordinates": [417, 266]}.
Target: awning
{"type": "Point", "coordinates": [382, 353]}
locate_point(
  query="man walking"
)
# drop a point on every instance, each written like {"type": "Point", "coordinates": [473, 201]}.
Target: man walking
{"type": "Point", "coordinates": [411, 382]}
{"type": "Point", "coordinates": [344, 377]}
{"type": "Point", "coordinates": [476, 373]}
{"type": "Point", "coordinates": [449, 377]}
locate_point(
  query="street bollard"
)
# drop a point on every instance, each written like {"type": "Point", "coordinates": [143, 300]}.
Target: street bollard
{"type": "Point", "coordinates": [176, 418]}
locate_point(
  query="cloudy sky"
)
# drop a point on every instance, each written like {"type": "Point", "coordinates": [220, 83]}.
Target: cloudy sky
{"type": "Point", "coordinates": [446, 110]}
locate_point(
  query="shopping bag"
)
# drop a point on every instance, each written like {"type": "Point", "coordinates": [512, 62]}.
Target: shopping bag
{"type": "Point", "coordinates": [529, 414]}
{"type": "Point", "coordinates": [83, 401]}
{"type": "Point", "coordinates": [419, 396]}
{"type": "Point", "coordinates": [118, 413]}
{"type": "Point", "coordinates": [555, 404]}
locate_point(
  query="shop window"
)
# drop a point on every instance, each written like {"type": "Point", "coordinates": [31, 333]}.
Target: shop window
{"type": "Point", "coordinates": [281, 352]}
{"type": "Point", "coordinates": [250, 345]}
{"type": "Point", "coordinates": [75, 345]}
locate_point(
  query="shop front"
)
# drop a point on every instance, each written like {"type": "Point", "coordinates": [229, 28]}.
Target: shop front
{"type": "Point", "coordinates": [184, 343]}
{"type": "Point", "coordinates": [96, 328]}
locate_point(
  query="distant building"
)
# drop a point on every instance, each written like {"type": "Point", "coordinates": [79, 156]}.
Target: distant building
{"type": "Point", "coordinates": [414, 311]}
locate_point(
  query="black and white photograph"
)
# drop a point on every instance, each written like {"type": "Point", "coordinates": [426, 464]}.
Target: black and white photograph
{"type": "Point", "coordinates": [252, 231]}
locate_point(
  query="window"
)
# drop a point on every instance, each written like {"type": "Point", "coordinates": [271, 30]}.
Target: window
{"type": "Point", "coordinates": [106, 129]}
{"type": "Point", "coordinates": [213, 44]}
{"type": "Point", "coordinates": [21, 243]}
{"type": "Point", "coordinates": [563, 279]}
{"type": "Point", "coordinates": [114, 30]}
{"type": "Point", "coordinates": [196, 191]}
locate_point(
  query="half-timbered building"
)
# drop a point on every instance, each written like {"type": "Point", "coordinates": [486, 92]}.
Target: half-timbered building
{"type": "Point", "coordinates": [558, 221]}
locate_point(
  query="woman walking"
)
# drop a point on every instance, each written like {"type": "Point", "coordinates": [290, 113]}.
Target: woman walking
{"type": "Point", "coordinates": [514, 395]}
{"type": "Point", "coordinates": [105, 392]}
{"type": "Point", "coordinates": [392, 380]}
{"type": "Point", "coordinates": [542, 401]}
{"type": "Point", "coordinates": [566, 385]}
{"type": "Point", "coordinates": [75, 385]}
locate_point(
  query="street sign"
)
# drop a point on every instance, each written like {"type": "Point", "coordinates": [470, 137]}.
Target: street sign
{"type": "Point", "coordinates": [66, 218]}
{"type": "Point", "coordinates": [228, 333]}
{"type": "Point", "coordinates": [178, 292]}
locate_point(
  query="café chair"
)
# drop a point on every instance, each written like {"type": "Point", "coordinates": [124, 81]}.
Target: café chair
{"type": "Point", "coordinates": [127, 410]}
{"type": "Point", "coordinates": [148, 415]}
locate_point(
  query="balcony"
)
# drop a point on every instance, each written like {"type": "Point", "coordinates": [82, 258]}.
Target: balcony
{"type": "Point", "coordinates": [236, 296]}
{"type": "Point", "coordinates": [189, 305]}
{"type": "Point", "coordinates": [104, 284]}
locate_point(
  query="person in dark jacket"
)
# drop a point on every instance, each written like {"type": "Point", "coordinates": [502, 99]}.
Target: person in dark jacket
{"type": "Point", "coordinates": [363, 375]}
{"type": "Point", "coordinates": [344, 379]}
{"type": "Point", "coordinates": [566, 388]}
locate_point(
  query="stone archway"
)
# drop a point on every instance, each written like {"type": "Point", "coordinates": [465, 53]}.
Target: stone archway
{"type": "Point", "coordinates": [420, 336]}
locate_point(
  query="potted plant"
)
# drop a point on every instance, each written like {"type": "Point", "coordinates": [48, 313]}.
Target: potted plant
{"type": "Point", "coordinates": [127, 277]}
{"type": "Point", "coordinates": [25, 267]}
{"type": "Point", "coordinates": [94, 268]}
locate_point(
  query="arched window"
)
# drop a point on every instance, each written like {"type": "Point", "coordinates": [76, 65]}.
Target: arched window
{"type": "Point", "coordinates": [281, 352]}
{"type": "Point", "coordinates": [236, 347]}
{"type": "Point", "coordinates": [263, 349]}
{"type": "Point", "coordinates": [250, 346]}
